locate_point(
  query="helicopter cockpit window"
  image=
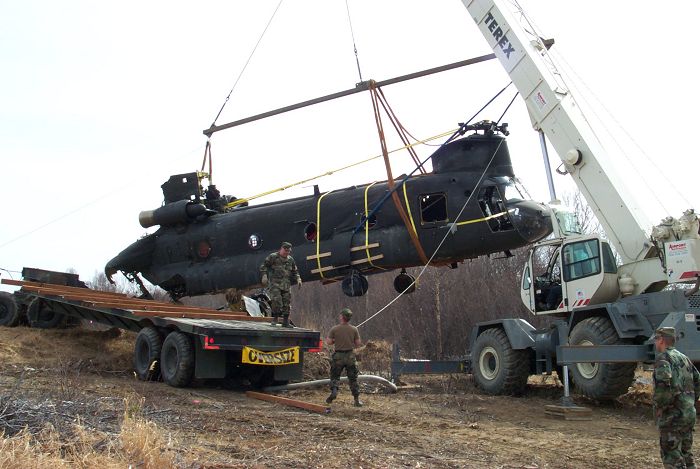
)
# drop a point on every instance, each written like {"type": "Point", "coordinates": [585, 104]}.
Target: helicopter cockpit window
{"type": "Point", "coordinates": [492, 205]}
{"type": "Point", "coordinates": [433, 208]}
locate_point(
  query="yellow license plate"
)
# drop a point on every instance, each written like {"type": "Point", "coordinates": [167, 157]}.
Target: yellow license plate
{"type": "Point", "coordinates": [281, 357]}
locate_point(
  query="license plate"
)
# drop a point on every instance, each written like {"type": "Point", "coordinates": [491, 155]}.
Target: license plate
{"type": "Point", "coordinates": [288, 356]}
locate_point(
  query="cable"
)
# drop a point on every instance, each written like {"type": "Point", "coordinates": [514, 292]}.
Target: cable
{"type": "Point", "coordinates": [352, 34]}
{"type": "Point", "coordinates": [247, 62]}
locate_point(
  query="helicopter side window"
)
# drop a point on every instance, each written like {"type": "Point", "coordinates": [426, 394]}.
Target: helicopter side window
{"type": "Point", "coordinates": [433, 208]}
{"type": "Point", "coordinates": [310, 232]}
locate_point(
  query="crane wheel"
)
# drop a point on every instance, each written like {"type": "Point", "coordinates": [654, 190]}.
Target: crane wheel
{"type": "Point", "coordinates": [600, 381]}
{"type": "Point", "coordinates": [147, 348]}
{"type": "Point", "coordinates": [496, 366]}
{"type": "Point", "coordinates": [177, 360]}
{"type": "Point", "coordinates": [9, 312]}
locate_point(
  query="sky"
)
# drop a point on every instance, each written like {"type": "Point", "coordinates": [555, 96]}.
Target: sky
{"type": "Point", "coordinates": [100, 102]}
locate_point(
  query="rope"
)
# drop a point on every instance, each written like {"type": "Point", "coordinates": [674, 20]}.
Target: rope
{"type": "Point", "coordinates": [246, 63]}
{"type": "Point", "coordinates": [352, 34]}
{"type": "Point", "coordinates": [390, 179]}
{"type": "Point", "coordinates": [333, 171]}
{"type": "Point", "coordinates": [454, 226]}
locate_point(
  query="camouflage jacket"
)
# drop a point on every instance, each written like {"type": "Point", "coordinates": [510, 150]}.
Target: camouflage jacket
{"type": "Point", "coordinates": [676, 388]}
{"type": "Point", "coordinates": [281, 272]}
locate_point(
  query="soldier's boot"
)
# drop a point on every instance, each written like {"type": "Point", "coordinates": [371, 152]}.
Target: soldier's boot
{"type": "Point", "coordinates": [358, 402]}
{"type": "Point", "coordinates": [285, 321]}
{"type": "Point", "coordinates": [331, 397]}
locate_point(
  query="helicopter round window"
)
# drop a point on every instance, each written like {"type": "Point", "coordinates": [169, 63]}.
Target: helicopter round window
{"type": "Point", "coordinates": [254, 241]}
{"type": "Point", "coordinates": [203, 249]}
{"type": "Point", "coordinates": [310, 232]}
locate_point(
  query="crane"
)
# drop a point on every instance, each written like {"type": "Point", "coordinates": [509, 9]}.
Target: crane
{"type": "Point", "coordinates": [605, 312]}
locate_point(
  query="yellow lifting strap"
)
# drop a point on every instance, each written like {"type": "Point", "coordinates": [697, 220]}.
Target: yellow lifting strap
{"type": "Point", "coordinates": [390, 179]}
{"type": "Point", "coordinates": [477, 220]}
{"type": "Point", "coordinates": [318, 233]}
{"type": "Point", "coordinates": [328, 173]}
{"type": "Point", "coordinates": [369, 256]}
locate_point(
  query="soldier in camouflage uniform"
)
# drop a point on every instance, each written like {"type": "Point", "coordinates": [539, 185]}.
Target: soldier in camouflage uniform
{"type": "Point", "coordinates": [676, 390]}
{"type": "Point", "coordinates": [279, 271]}
{"type": "Point", "coordinates": [346, 338]}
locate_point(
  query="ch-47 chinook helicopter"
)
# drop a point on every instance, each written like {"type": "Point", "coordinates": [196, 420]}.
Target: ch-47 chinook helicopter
{"type": "Point", "coordinates": [469, 200]}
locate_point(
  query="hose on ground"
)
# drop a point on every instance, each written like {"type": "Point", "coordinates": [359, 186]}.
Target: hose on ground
{"type": "Point", "coordinates": [320, 382]}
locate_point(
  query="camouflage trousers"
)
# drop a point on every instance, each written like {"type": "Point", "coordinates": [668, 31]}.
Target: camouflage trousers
{"type": "Point", "coordinates": [676, 447]}
{"type": "Point", "coordinates": [280, 299]}
{"type": "Point", "coordinates": [345, 360]}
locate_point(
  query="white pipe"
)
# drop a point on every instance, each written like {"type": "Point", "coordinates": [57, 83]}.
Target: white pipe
{"type": "Point", "coordinates": [321, 382]}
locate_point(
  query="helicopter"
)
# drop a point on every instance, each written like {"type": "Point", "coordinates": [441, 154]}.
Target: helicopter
{"type": "Point", "coordinates": [467, 206]}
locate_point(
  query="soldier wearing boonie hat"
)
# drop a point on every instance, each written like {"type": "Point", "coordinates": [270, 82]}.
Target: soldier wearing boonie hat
{"type": "Point", "coordinates": [676, 390]}
{"type": "Point", "coordinates": [345, 338]}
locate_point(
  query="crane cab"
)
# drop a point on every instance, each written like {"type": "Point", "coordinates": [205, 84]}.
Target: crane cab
{"type": "Point", "coordinates": [568, 273]}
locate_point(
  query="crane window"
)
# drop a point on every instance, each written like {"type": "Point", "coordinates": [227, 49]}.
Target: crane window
{"type": "Point", "coordinates": [609, 264]}
{"type": "Point", "coordinates": [433, 208]}
{"type": "Point", "coordinates": [581, 259]}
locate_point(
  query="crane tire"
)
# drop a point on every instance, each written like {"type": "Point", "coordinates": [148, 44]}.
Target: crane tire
{"type": "Point", "coordinates": [600, 381]}
{"type": "Point", "coordinates": [9, 312]}
{"type": "Point", "coordinates": [147, 348]}
{"type": "Point", "coordinates": [496, 366]}
{"type": "Point", "coordinates": [177, 360]}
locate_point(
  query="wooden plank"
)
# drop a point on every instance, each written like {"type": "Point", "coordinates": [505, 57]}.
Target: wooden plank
{"type": "Point", "coordinates": [367, 246]}
{"type": "Point", "coordinates": [325, 269]}
{"type": "Point", "coordinates": [364, 260]}
{"type": "Point", "coordinates": [320, 409]}
{"type": "Point", "coordinates": [212, 315]}
{"type": "Point", "coordinates": [64, 288]}
{"type": "Point", "coordinates": [568, 412]}
{"type": "Point", "coordinates": [314, 256]}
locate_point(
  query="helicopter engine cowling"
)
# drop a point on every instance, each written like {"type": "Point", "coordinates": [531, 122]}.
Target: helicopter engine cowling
{"type": "Point", "coordinates": [182, 211]}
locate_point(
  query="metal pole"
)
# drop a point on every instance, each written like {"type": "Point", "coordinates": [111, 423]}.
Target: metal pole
{"type": "Point", "coordinates": [566, 400]}
{"type": "Point", "coordinates": [547, 167]}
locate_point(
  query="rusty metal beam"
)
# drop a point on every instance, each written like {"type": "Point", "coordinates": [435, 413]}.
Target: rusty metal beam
{"type": "Point", "coordinates": [360, 87]}
{"type": "Point", "coordinates": [320, 409]}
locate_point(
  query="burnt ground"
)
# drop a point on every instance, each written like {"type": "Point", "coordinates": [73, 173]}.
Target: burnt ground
{"type": "Point", "coordinates": [82, 377]}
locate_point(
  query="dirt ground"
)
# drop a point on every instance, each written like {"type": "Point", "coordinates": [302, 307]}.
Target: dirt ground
{"type": "Point", "coordinates": [83, 377]}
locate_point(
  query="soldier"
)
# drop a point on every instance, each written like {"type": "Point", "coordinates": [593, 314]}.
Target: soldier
{"type": "Point", "coordinates": [346, 338]}
{"type": "Point", "coordinates": [676, 390]}
{"type": "Point", "coordinates": [280, 271]}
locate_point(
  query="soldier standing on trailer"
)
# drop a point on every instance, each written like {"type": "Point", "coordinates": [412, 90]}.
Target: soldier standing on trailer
{"type": "Point", "coordinates": [279, 271]}
{"type": "Point", "coordinates": [346, 339]}
{"type": "Point", "coordinates": [676, 390]}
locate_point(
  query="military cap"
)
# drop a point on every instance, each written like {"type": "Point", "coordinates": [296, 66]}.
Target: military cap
{"type": "Point", "coordinates": [287, 245]}
{"type": "Point", "coordinates": [666, 332]}
{"type": "Point", "coordinates": [346, 313]}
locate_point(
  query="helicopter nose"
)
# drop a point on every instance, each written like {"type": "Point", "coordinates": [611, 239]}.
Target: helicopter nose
{"type": "Point", "coordinates": [135, 258]}
{"type": "Point", "coordinates": [531, 220]}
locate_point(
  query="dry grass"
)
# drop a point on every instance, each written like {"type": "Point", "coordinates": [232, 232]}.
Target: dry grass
{"type": "Point", "coordinates": [139, 443]}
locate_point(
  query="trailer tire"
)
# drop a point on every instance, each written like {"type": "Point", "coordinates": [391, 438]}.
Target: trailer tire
{"type": "Point", "coordinates": [41, 316]}
{"type": "Point", "coordinates": [497, 368]}
{"type": "Point", "coordinates": [177, 360]}
{"type": "Point", "coordinates": [600, 381]}
{"type": "Point", "coordinates": [147, 348]}
{"type": "Point", "coordinates": [9, 311]}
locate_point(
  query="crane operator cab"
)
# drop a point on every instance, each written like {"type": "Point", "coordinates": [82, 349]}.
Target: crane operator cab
{"type": "Point", "coordinates": [569, 270]}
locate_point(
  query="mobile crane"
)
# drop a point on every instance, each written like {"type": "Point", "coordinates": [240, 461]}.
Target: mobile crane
{"type": "Point", "coordinates": [605, 313]}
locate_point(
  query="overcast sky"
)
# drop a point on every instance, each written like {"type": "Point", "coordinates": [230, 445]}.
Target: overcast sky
{"type": "Point", "coordinates": [100, 102]}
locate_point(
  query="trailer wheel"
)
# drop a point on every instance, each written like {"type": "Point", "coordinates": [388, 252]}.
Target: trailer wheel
{"type": "Point", "coordinates": [9, 312]}
{"type": "Point", "coordinates": [177, 360]}
{"type": "Point", "coordinates": [497, 368]}
{"type": "Point", "coordinates": [149, 344]}
{"type": "Point", "coordinates": [41, 316]}
{"type": "Point", "coordinates": [601, 381]}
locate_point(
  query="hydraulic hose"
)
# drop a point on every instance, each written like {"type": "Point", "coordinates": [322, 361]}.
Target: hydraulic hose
{"type": "Point", "coordinates": [320, 382]}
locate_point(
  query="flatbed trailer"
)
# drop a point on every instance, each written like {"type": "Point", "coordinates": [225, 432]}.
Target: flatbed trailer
{"type": "Point", "coordinates": [181, 343]}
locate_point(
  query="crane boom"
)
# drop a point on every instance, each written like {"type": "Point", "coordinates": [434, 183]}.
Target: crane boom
{"type": "Point", "coordinates": [553, 110]}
